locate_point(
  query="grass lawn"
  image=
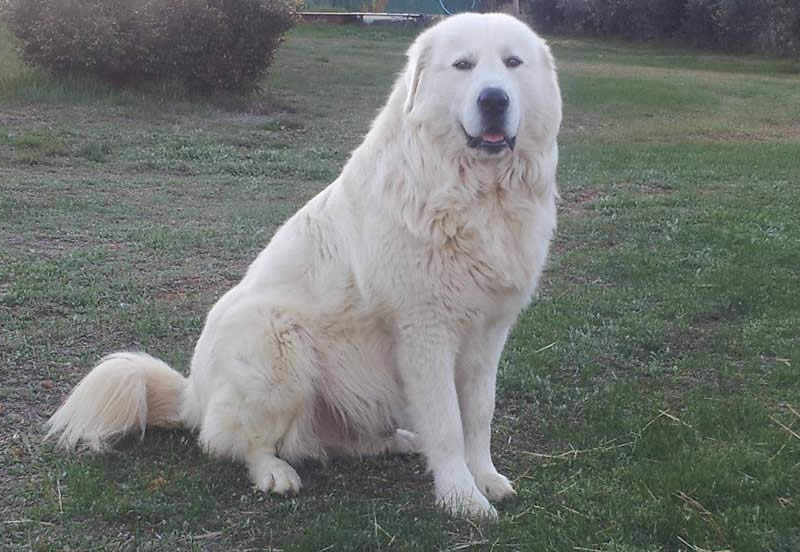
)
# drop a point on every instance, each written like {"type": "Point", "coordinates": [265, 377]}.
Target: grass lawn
{"type": "Point", "coordinates": [649, 400]}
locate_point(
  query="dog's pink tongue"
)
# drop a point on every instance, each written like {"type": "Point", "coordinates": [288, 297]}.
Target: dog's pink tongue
{"type": "Point", "coordinates": [493, 137]}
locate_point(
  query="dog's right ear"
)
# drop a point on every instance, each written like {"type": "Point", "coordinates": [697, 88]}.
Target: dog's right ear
{"type": "Point", "coordinates": [418, 55]}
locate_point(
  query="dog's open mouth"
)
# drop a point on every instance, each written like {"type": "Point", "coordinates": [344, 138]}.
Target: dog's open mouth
{"type": "Point", "coordinates": [491, 140]}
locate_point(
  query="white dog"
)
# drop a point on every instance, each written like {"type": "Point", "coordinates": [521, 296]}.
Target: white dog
{"type": "Point", "coordinates": [385, 302]}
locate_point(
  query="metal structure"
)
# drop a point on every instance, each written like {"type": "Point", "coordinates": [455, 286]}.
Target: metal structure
{"type": "Point", "coordinates": [424, 7]}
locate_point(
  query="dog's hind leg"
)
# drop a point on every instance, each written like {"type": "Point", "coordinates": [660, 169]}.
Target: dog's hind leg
{"type": "Point", "coordinates": [261, 411]}
{"type": "Point", "coordinates": [403, 442]}
{"type": "Point", "coordinates": [400, 442]}
{"type": "Point", "coordinates": [267, 471]}
{"type": "Point", "coordinates": [236, 427]}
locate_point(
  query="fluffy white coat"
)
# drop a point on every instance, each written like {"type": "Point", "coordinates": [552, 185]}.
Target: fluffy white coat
{"type": "Point", "coordinates": [385, 302]}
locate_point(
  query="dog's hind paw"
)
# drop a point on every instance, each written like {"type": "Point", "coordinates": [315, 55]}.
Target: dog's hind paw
{"type": "Point", "coordinates": [271, 474]}
{"type": "Point", "coordinates": [404, 442]}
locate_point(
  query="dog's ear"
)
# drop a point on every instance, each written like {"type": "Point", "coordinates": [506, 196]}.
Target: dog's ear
{"type": "Point", "coordinates": [547, 55]}
{"type": "Point", "coordinates": [418, 55]}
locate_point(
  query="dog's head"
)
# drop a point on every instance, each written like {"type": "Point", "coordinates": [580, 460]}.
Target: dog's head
{"type": "Point", "coordinates": [485, 81]}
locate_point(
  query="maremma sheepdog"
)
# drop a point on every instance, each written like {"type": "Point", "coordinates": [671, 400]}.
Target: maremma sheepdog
{"type": "Point", "coordinates": [375, 318]}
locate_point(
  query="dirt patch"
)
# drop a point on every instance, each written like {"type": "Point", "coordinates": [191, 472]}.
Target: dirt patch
{"type": "Point", "coordinates": [51, 246]}
{"type": "Point", "coordinates": [772, 133]}
{"type": "Point", "coordinates": [185, 287]}
{"type": "Point", "coordinates": [636, 71]}
{"type": "Point", "coordinates": [11, 118]}
{"type": "Point", "coordinates": [576, 203]}
{"type": "Point", "coordinates": [47, 245]}
{"type": "Point", "coordinates": [586, 126]}
{"type": "Point", "coordinates": [654, 189]}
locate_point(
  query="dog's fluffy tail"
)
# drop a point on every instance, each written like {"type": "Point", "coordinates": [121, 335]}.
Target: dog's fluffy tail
{"type": "Point", "coordinates": [124, 393]}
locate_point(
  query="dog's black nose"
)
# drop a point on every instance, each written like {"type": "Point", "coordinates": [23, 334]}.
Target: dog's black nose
{"type": "Point", "coordinates": [493, 101]}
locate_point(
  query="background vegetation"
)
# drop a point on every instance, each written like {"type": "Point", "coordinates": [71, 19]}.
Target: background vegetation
{"type": "Point", "coordinates": [206, 44]}
{"type": "Point", "coordinates": [737, 25]}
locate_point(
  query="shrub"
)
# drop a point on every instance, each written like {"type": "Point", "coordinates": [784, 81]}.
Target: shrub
{"type": "Point", "coordinates": [698, 24]}
{"type": "Point", "coordinates": [780, 28]}
{"type": "Point", "coordinates": [577, 15]}
{"type": "Point", "coordinates": [736, 23]}
{"type": "Point", "coordinates": [766, 25]}
{"type": "Point", "coordinates": [546, 15]}
{"type": "Point", "coordinates": [641, 19]}
{"type": "Point", "coordinates": [208, 44]}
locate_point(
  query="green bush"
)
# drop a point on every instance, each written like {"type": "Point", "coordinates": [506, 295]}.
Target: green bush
{"type": "Point", "coordinates": [742, 25]}
{"type": "Point", "coordinates": [698, 23]}
{"type": "Point", "coordinates": [577, 15]}
{"type": "Point", "coordinates": [641, 19]}
{"type": "Point", "coordinates": [739, 25]}
{"type": "Point", "coordinates": [208, 44]}
{"type": "Point", "coordinates": [780, 28]}
{"type": "Point", "coordinates": [546, 16]}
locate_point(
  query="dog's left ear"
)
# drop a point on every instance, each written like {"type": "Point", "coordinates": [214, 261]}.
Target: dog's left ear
{"type": "Point", "coordinates": [418, 55]}
{"type": "Point", "coordinates": [547, 55]}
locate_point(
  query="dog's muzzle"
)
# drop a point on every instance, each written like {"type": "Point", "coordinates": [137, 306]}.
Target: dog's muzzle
{"type": "Point", "coordinates": [492, 105]}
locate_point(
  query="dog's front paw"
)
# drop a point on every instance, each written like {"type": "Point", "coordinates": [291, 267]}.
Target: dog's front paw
{"type": "Point", "coordinates": [457, 493]}
{"type": "Point", "coordinates": [468, 503]}
{"type": "Point", "coordinates": [494, 485]}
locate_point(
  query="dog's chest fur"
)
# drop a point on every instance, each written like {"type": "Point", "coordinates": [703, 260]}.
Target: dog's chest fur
{"type": "Point", "coordinates": [494, 245]}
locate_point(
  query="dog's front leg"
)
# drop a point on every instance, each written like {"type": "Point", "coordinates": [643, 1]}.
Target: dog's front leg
{"type": "Point", "coordinates": [476, 374]}
{"type": "Point", "coordinates": [426, 363]}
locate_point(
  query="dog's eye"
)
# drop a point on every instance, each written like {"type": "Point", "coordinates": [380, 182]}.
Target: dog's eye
{"type": "Point", "coordinates": [463, 65]}
{"type": "Point", "coordinates": [512, 61]}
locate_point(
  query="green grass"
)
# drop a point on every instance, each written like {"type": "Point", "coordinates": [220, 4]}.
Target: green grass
{"type": "Point", "coordinates": [647, 401]}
